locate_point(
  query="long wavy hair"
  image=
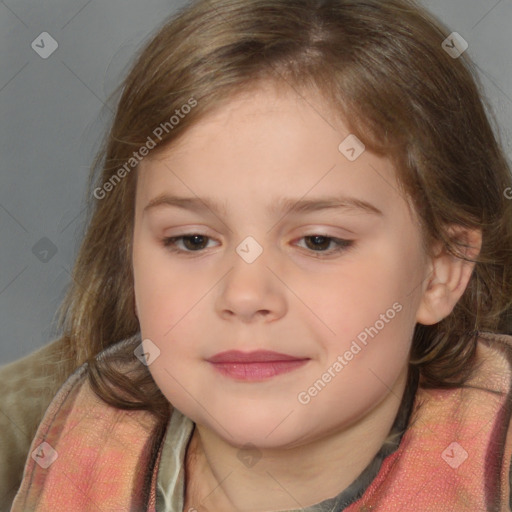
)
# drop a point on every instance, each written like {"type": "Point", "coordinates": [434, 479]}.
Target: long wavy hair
{"type": "Point", "coordinates": [382, 68]}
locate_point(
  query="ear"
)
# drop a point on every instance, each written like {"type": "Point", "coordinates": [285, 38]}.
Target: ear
{"type": "Point", "coordinates": [448, 276]}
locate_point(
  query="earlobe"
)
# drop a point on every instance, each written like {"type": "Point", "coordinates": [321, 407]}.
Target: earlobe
{"type": "Point", "coordinates": [448, 276]}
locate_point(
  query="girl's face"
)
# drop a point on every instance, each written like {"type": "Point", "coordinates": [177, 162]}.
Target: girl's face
{"type": "Point", "coordinates": [296, 242]}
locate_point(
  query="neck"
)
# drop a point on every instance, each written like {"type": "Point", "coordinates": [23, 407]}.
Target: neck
{"type": "Point", "coordinates": [285, 479]}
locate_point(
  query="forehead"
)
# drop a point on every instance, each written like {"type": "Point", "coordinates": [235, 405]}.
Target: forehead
{"type": "Point", "coordinates": [269, 143]}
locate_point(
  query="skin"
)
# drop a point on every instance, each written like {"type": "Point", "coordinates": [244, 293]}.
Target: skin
{"type": "Point", "coordinates": [292, 299]}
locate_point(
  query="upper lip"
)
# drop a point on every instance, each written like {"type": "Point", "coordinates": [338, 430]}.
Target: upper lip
{"type": "Point", "coordinates": [257, 356]}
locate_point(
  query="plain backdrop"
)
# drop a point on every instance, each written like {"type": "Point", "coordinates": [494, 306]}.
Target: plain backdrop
{"type": "Point", "coordinates": [54, 112]}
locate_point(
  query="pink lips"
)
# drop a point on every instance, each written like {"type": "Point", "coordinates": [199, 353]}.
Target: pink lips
{"type": "Point", "coordinates": [253, 366]}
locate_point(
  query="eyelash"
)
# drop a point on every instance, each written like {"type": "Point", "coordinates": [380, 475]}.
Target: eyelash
{"type": "Point", "coordinates": [342, 245]}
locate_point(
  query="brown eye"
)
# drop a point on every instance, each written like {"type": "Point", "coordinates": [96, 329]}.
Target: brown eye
{"type": "Point", "coordinates": [326, 245]}
{"type": "Point", "coordinates": [195, 242]}
{"type": "Point", "coordinates": [186, 243]}
{"type": "Point", "coordinates": [318, 243]}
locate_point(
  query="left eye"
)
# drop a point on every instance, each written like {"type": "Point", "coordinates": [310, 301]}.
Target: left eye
{"type": "Point", "coordinates": [319, 243]}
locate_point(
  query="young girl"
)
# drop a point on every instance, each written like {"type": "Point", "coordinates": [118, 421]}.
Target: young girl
{"type": "Point", "coordinates": [296, 275]}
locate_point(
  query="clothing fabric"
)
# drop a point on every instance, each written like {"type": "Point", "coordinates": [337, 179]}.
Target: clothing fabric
{"type": "Point", "coordinates": [454, 455]}
{"type": "Point", "coordinates": [27, 387]}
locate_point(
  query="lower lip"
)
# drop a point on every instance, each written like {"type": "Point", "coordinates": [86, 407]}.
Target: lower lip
{"type": "Point", "coordinates": [258, 371]}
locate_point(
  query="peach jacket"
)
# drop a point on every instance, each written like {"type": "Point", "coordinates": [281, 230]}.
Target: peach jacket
{"type": "Point", "coordinates": [455, 454]}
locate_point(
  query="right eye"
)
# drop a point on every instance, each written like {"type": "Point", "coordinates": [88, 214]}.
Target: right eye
{"type": "Point", "coordinates": [192, 242]}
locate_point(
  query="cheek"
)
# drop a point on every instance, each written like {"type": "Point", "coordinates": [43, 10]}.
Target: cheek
{"type": "Point", "coordinates": [158, 305]}
{"type": "Point", "coordinates": [161, 293]}
{"type": "Point", "coordinates": [168, 303]}
{"type": "Point", "coordinates": [371, 310]}
{"type": "Point", "coordinates": [367, 288]}
{"type": "Point", "coordinates": [367, 364]}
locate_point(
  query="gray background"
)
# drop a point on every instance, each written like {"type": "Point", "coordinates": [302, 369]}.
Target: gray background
{"type": "Point", "coordinates": [53, 115]}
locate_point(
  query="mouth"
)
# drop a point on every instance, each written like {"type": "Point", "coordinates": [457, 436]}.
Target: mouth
{"type": "Point", "coordinates": [255, 366]}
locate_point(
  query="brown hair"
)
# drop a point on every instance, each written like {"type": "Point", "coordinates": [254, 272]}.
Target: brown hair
{"type": "Point", "coordinates": [382, 67]}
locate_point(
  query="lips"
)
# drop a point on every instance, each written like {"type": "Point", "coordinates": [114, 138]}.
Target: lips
{"type": "Point", "coordinates": [257, 356]}
{"type": "Point", "coordinates": [254, 366]}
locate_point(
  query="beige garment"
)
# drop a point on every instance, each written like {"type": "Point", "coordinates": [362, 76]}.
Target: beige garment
{"type": "Point", "coordinates": [26, 388]}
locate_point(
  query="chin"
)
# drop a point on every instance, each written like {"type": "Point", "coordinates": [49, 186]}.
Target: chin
{"type": "Point", "coordinates": [258, 429]}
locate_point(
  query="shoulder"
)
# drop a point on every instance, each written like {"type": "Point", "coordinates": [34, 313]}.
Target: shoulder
{"type": "Point", "coordinates": [496, 338]}
{"type": "Point", "coordinates": [28, 385]}
{"type": "Point", "coordinates": [494, 361]}
{"type": "Point", "coordinates": [496, 351]}
{"type": "Point", "coordinates": [78, 425]}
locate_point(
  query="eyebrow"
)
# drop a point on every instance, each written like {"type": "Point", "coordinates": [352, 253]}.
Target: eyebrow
{"type": "Point", "coordinates": [280, 205]}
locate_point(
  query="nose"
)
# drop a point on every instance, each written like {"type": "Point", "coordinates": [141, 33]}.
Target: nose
{"type": "Point", "coordinates": [250, 292]}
